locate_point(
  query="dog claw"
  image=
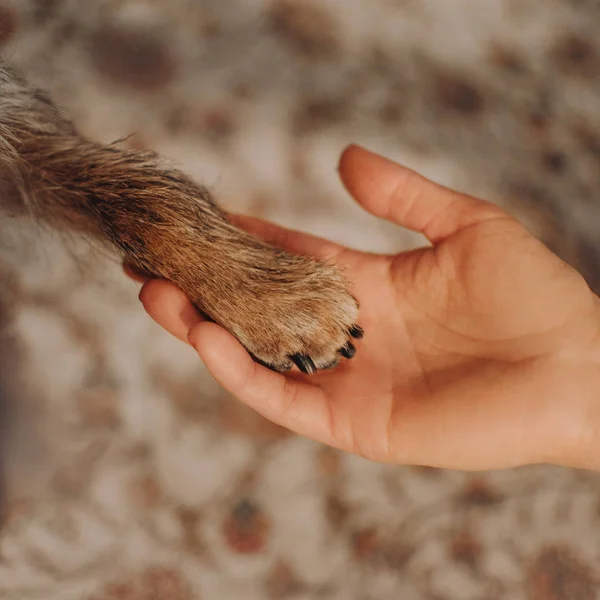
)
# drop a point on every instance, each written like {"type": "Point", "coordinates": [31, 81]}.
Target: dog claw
{"type": "Point", "coordinates": [304, 363]}
{"type": "Point", "coordinates": [356, 331]}
{"type": "Point", "coordinates": [348, 351]}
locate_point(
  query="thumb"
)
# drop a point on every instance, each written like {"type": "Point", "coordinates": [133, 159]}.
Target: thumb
{"type": "Point", "coordinates": [395, 193]}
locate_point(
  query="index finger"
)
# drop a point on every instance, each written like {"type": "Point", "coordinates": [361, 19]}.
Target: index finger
{"type": "Point", "coordinates": [296, 405]}
{"type": "Point", "coordinates": [169, 307]}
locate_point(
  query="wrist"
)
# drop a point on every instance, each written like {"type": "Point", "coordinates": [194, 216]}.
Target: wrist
{"type": "Point", "coordinates": [579, 394]}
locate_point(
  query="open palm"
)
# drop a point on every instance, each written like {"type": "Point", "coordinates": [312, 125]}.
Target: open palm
{"type": "Point", "coordinates": [470, 343]}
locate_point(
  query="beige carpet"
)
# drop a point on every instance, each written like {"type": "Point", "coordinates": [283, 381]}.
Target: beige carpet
{"type": "Point", "coordinates": [132, 476]}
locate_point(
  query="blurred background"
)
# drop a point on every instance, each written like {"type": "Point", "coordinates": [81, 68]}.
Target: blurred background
{"type": "Point", "coordinates": [130, 474]}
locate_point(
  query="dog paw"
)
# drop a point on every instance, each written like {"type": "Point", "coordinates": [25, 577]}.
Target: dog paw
{"type": "Point", "coordinates": [288, 310]}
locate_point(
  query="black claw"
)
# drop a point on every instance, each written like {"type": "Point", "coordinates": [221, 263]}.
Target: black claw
{"type": "Point", "coordinates": [357, 332]}
{"type": "Point", "coordinates": [348, 351]}
{"type": "Point", "coordinates": [304, 363]}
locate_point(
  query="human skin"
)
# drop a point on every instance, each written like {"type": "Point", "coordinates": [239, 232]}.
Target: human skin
{"type": "Point", "coordinates": [481, 351]}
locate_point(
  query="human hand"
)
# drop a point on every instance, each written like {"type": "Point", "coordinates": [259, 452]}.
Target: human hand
{"type": "Point", "coordinates": [480, 351]}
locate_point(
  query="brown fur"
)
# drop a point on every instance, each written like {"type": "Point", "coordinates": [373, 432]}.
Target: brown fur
{"type": "Point", "coordinates": [284, 309]}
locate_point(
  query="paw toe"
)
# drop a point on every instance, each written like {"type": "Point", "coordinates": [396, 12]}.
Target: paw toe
{"type": "Point", "coordinates": [279, 368]}
{"type": "Point", "coordinates": [330, 365]}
